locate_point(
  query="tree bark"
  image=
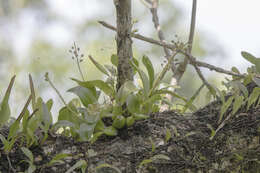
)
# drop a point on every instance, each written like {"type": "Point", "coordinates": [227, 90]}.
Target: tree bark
{"type": "Point", "coordinates": [124, 41]}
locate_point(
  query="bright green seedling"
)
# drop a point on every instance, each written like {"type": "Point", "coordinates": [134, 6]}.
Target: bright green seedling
{"type": "Point", "coordinates": [4, 107]}
{"type": "Point", "coordinates": [253, 97]}
{"type": "Point", "coordinates": [168, 135]}
{"type": "Point", "coordinates": [252, 59]}
{"type": "Point", "coordinates": [14, 130]}
{"type": "Point", "coordinates": [81, 164]}
{"type": "Point", "coordinates": [189, 103]}
{"type": "Point", "coordinates": [153, 159]}
{"type": "Point", "coordinates": [224, 107]}
{"type": "Point", "coordinates": [58, 159]}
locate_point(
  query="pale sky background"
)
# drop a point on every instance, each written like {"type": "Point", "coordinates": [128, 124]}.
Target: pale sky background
{"type": "Point", "coordinates": [234, 24]}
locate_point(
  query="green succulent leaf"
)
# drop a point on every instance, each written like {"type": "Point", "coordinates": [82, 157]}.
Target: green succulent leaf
{"type": "Point", "coordinates": [66, 114]}
{"type": "Point", "coordinates": [237, 103]}
{"type": "Point", "coordinates": [96, 136]}
{"type": "Point", "coordinates": [99, 66]}
{"type": "Point", "coordinates": [86, 131]}
{"type": "Point", "coordinates": [114, 59]}
{"type": "Point", "coordinates": [140, 116]}
{"type": "Point", "coordinates": [47, 117]}
{"type": "Point", "coordinates": [119, 122]}
{"type": "Point", "coordinates": [149, 105]}
{"type": "Point", "coordinates": [145, 162]}
{"type": "Point", "coordinates": [58, 158]}
{"type": "Point", "coordinates": [103, 86]}
{"type": "Point", "coordinates": [25, 120]}
{"type": "Point", "coordinates": [100, 126]}
{"type": "Point", "coordinates": [225, 107]}
{"type": "Point", "coordinates": [213, 131]}
{"type": "Point", "coordinates": [239, 86]}
{"type": "Point", "coordinates": [253, 97]}
{"type": "Point", "coordinates": [4, 141]}
{"type": "Point", "coordinates": [49, 104]}
{"type": "Point", "coordinates": [160, 157]}
{"type": "Point", "coordinates": [221, 95]}
{"type": "Point", "coordinates": [86, 95]}
{"type": "Point", "coordinates": [248, 79]}
{"type": "Point", "coordinates": [110, 131]}
{"type": "Point", "coordinates": [123, 92]}
{"type": "Point", "coordinates": [135, 61]}
{"type": "Point", "coordinates": [133, 103]}
{"type": "Point", "coordinates": [130, 121]}
{"type": "Point", "coordinates": [249, 57]}
{"type": "Point", "coordinates": [4, 106]}
{"type": "Point", "coordinates": [189, 103]}
{"type": "Point", "coordinates": [168, 135]}
{"type": "Point", "coordinates": [86, 116]}
{"type": "Point", "coordinates": [117, 110]}
{"type": "Point", "coordinates": [234, 69]}
{"type": "Point", "coordinates": [152, 99]}
{"type": "Point", "coordinates": [149, 67]}
{"type": "Point", "coordinates": [79, 164]}
{"type": "Point", "coordinates": [14, 128]}
{"type": "Point", "coordinates": [144, 79]}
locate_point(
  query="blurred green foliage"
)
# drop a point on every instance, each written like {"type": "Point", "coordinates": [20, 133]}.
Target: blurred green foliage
{"type": "Point", "coordinates": [35, 37]}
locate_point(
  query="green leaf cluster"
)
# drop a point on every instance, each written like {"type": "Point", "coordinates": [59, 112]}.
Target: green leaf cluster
{"type": "Point", "coordinates": [102, 109]}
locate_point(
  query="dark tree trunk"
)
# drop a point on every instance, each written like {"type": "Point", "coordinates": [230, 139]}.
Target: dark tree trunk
{"type": "Point", "coordinates": [124, 41]}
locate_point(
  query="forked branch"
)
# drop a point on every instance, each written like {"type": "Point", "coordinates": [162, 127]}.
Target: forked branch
{"type": "Point", "coordinates": [173, 47]}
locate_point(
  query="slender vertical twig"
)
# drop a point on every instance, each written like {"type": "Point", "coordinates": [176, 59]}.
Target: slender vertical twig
{"type": "Point", "coordinates": [192, 25]}
{"type": "Point", "coordinates": [182, 67]}
{"type": "Point", "coordinates": [76, 53]}
{"type": "Point", "coordinates": [57, 91]}
{"type": "Point", "coordinates": [32, 91]}
{"type": "Point", "coordinates": [190, 42]}
{"type": "Point", "coordinates": [153, 6]}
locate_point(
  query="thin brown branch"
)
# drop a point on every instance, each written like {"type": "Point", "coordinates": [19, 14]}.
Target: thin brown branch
{"type": "Point", "coordinates": [140, 37]}
{"type": "Point", "coordinates": [155, 18]}
{"type": "Point", "coordinates": [202, 77]}
{"type": "Point", "coordinates": [58, 93]}
{"type": "Point", "coordinates": [173, 47]}
{"type": "Point", "coordinates": [190, 42]}
{"type": "Point", "coordinates": [32, 91]}
{"type": "Point", "coordinates": [24, 108]}
{"type": "Point", "coordinates": [192, 25]}
{"type": "Point", "coordinates": [209, 66]}
{"type": "Point", "coordinates": [182, 67]}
